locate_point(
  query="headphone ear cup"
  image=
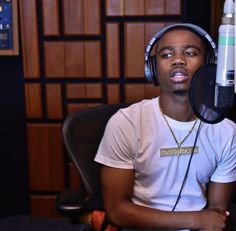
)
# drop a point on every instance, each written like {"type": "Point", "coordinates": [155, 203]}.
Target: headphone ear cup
{"type": "Point", "coordinates": [211, 57]}
{"type": "Point", "coordinates": [153, 70]}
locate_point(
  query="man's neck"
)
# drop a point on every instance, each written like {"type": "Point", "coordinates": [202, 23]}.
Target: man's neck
{"type": "Point", "coordinates": [177, 107]}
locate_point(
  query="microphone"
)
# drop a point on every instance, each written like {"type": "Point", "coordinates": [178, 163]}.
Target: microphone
{"type": "Point", "coordinates": [225, 79]}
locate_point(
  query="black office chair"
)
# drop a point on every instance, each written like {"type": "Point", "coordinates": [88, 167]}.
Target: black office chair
{"type": "Point", "coordinates": [82, 132]}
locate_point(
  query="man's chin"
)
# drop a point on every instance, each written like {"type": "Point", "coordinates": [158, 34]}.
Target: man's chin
{"type": "Point", "coordinates": [181, 92]}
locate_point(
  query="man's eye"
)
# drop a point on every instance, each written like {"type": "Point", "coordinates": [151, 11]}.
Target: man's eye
{"type": "Point", "coordinates": [166, 55]}
{"type": "Point", "coordinates": [190, 53]}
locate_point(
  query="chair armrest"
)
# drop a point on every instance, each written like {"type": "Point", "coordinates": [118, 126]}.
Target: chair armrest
{"type": "Point", "coordinates": [71, 202]}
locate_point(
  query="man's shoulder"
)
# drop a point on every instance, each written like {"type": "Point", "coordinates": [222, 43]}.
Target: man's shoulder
{"type": "Point", "coordinates": [135, 112]}
{"type": "Point", "coordinates": [141, 105]}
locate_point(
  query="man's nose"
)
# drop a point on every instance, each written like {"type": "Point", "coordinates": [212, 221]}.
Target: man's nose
{"type": "Point", "coordinates": [179, 60]}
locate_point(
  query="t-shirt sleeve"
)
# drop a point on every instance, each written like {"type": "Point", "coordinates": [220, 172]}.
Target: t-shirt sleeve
{"type": "Point", "coordinates": [115, 149]}
{"type": "Point", "coordinates": [226, 169]}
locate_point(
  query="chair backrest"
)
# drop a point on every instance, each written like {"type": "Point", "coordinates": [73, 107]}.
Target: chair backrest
{"type": "Point", "coordinates": [82, 132]}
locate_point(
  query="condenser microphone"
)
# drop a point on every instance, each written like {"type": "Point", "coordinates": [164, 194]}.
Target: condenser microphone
{"type": "Point", "coordinates": [225, 78]}
{"type": "Point", "coordinates": [216, 79]}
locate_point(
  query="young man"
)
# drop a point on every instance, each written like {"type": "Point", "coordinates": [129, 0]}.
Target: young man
{"type": "Point", "coordinates": [164, 169]}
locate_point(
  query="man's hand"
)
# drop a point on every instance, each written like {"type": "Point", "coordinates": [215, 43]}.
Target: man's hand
{"type": "Point", "coordinates": [212, 219]}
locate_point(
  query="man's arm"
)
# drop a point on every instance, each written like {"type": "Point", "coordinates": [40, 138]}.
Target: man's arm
{"type": "Point", "coordinates": [117, 191]}
{"type": "Point", "coordinates": [219, 194]}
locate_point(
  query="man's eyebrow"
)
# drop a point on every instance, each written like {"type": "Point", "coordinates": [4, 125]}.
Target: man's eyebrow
{"type": "Point", "coordinates": [192, 46]}
{"type": "Point", "coordinates": [171, 48]}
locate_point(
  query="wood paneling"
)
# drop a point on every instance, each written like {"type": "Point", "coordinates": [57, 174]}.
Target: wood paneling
{"type": "Point", "coordinates": [75, 181]}
{"type": "Point", "coordinates": [151, 91]}
{"type": "Point", "coordinates": [134, 7]}
{"type": "Point", "coordinates": [30, 43]}
{"type": "Point", "coordinates": [92, 17]}
{"type": "Point", "coordinates": [94, 90]}
{"type": "Point", "coordinates": [54, 101]}
{"type": "Point", "coordinates": [113, 50]}
{"type": "Point", "coordinates": [50, 17]}
{"type": "Point", "coordinates": [73, 17]}
{"type": "Point", "coordinates": [153, 7]}
{"type": "Point", "coordinates": [33, 100]}
{"type": "Point", "coordinates": [44, 206]}
{"type": "Point", "coordinates": [78, 91]}
{"type": "Point", "coordinates": [113, 93]}
{"type": "Point", "coordinates": [134, 92]}
{"type": "Point", "coordinates": [74, 59]}
{"type": "Point", "coordinates": [151, 29]}
{"type": "Point", "coordinates": [143, 7]}
{"type": "Point", "coordinates": [75, 91]}
{"type": "Point", "coordinates": [54, 59]}
{"type": "Point", "coordinates": [173, 7]}
{"type": "Point", "coordinates": [46, 161]}
{"type": "Point", "coordinates": [114, 7]}
{"type": "Point", "coordinates": [137, 92]}
{"type": "Point", "coordinates": [134, 49]}
{"type": "Point", "coordinates": [82, 17]}
{"type": "Point", "coordinates": [93, 62]}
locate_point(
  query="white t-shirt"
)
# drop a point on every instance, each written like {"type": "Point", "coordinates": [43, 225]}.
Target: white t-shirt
{"type": "Point", "coordinates": [133, 139]}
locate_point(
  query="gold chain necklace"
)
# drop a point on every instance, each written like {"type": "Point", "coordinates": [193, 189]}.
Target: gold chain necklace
{"type": "Point", "coordinates": [179, 143]}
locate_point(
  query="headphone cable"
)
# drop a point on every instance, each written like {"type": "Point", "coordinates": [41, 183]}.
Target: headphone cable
{"type": "Point", "coordinates": [188, 167]}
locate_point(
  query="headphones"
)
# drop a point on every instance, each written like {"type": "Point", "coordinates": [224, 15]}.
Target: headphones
{"type": "Point", "coordinates": [150, 60]}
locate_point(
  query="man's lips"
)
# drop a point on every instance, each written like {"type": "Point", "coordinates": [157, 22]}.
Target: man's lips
{"type": "Point", "coordinates": [179, 75]}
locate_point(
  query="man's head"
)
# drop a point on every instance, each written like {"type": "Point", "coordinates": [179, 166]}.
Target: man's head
{"type": "Point", "coordinates": [150, 60]}
{"type": "Point", "coordinates": [179, 53]}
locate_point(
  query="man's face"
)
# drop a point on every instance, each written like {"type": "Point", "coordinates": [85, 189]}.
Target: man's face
{"type": "Point", "coordinates": [179, 54]}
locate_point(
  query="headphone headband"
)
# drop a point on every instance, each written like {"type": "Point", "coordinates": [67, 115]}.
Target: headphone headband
{"type": "Point", "coordinates": [150, 65]}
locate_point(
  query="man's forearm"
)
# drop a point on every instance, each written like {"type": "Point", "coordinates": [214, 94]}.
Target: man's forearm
{"type": "Point", "coordinates": [129, 215]}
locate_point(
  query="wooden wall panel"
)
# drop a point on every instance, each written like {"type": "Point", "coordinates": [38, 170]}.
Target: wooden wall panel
{"type": "Point", "coordinates": [92, 17]}
{"type": "Point", "coordinates": [114, 7]}
{"type": "Point", "coordinates": [143, 7]}
{"type": "Point", "coordinates": [43, 206]}
{"type": "Point", "coordinates": [94, 90]}
{"type": "Point", "coordinates": [137, 92]}
{"type": "Point", "coordinates": [134, 7]}
{"type": "Point", "coordinates": [75, 91]}
{"type": "Point", "coordinates": [75, 181]}
{"type": "Point", "coordinates": [134, 92]}
{"type": "Point", "coordinates": [50, 17]}
{"type": "Point", "coordinates": [151, 29]}
{"type": "Point", "coordinates": [82, 17]}
{"type": "Point", "coordinates": [46, 168]}
{"type": "Point", "coordinates": [134, 49]}
{"type": "Point", "coordinates": [173, 7]}
{"type": "Point", "coordinates": [54, 101]}
{"type": "Point", "coordinates": [33, 100]}
{"type": "Point", "coordinates": [151, 91]}
{"type": "Point", "coordinates": [54, 59]}
{"type": "Point", "coordinates": [74, 59]}
{"type": "Point", "coordinates": [30, 43]}
{"type": "Point", "coordinates": [78, 91]}
{"type": "Point", "coordinates": [73, 17]}
{"type": "Point", "coordinates": [113, 93]}
{"type": "Point", "coordinates": [93, 62]}
{"type": "Point", "coordinates": [113, 50]}
{"type": "Point", "coordinates": [154, 7]}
